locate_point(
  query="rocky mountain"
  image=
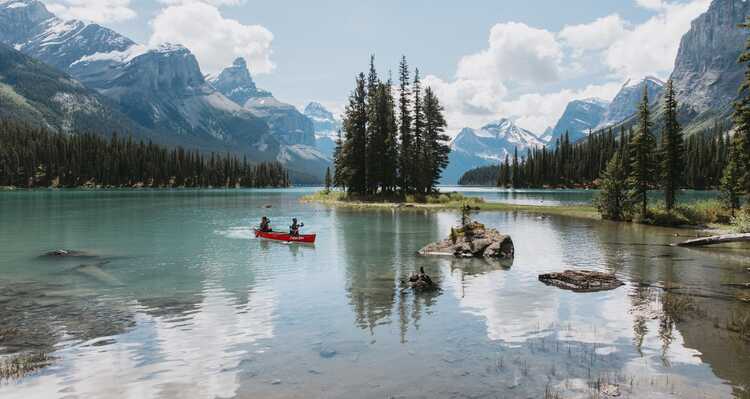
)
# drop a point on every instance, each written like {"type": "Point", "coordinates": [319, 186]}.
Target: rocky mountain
{"type": "Point", "coordinates": [707, 75]}
{"type": "Point", "coordinates": [489, 145]}
{"type": "Point", "coordinates": [293, 130]}
{"type": "Point", "coordinates": [287, 124]}
{"type": "Point", "coordinates": [625, 103]}
{"type": "Point", "coordinates": [578, 119]}
{"type": "Point", "coordinates": [33, 92]}
{"type": "Point", "coordinates": [326, 127]}
{"type": "Point", "coordinates": [163, 89]}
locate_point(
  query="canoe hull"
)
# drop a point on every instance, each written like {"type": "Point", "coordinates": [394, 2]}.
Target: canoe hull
{"type": "Point", "coordinates": [277, 236]}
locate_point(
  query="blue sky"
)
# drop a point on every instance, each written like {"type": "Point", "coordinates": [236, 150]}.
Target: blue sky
{"type": "Point", "coordinates": [486, 59]}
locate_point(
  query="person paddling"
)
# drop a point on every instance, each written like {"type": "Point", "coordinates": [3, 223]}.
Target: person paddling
{"type": "Point", "coordinates": [265, 224]}
{"type": "Point", "coordinates": [294, 228]}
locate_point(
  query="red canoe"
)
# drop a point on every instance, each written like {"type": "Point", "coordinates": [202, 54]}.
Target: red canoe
{"type": "Point", "coordinates": [304, 238]}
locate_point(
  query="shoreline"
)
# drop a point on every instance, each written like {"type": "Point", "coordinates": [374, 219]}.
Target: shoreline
{"type": "Point", "coordinates": [575, 211]}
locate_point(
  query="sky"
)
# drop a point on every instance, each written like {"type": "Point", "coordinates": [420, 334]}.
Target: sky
{"type": "Point", "coordinates": [486, 60]}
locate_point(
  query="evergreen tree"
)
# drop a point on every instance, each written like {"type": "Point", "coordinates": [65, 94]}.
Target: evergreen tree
{"type": "Point", "coordinates": [515, 180]}
{"type": "Point", "coordinates": [731, 183]}
{"type": "Point", "coordinates": [611, 200]}
{"type": "Point", "coordinates": [642, 162]}
{"type": "Point", "coordinates": [405, 132]}
{"type": "Point", "coordinates": [339, 168]}
{"type": "Point", "coordinates": [354, 150]}
{"type": "Point", "coordinates": [390, 157]}
{"type": "Point", "coordinates": [672, 149]}
{"type": "Point", "coordinates": [436, 149]}
{"type": "Point", "coordinates": [418, 171]}
{"type": "Point", "coordinates": [328, 180]}
{"type": "Point", "coordinates": [374, 150]}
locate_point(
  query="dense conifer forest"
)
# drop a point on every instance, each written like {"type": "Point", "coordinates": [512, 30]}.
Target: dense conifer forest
{"type": "Point", "coordinates": [33, 157]}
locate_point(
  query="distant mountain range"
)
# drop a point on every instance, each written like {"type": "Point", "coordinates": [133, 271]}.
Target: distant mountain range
{"type": "Point", "coordinates": [160, 92]}
{"type": "Point", "coordinates": [488, 145]}
{"type": "Point", "coordinates": [326, 127]}
{"type": "Point", "coordinates": [706, 79]}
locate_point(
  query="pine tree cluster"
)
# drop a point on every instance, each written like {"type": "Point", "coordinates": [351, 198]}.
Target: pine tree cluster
{"type": "Point", "coordinates": [391, 146]}
{"type": "Point", "coordinates": [32, 157]}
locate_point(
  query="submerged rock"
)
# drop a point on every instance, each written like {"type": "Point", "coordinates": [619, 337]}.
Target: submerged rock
{"type": "Point", "coordinates": [581, 280]}
{"type": "Point", "coordinates": [473, 241]}
{"type": "Point", "coordinates": [67, 253]}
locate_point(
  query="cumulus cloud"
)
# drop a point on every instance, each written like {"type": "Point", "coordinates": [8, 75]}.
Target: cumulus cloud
{"type": "Point", "coordinates": [516, 52]}
{"type": "Point", "coordinates": [596, 35]}
{"type": "Point", "coordinates": [523, 72]}
{"type": "Point", "coordinates": [211, 2]}
{"type": "Point", "coordinates": [651, 47]}
{"type": "Point", "coordinates": [216, 41]}
{"type": "Point", "coordinates": [100, 11]}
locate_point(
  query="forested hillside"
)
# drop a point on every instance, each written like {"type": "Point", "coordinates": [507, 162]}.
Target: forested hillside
{"type": "Point", "coordinates": [33, 157]}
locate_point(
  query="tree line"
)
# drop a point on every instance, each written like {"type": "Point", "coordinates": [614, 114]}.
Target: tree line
{"type": "Point", "coordinates": [34, 157]}
{"type": "Point", "coordinates": [579, 165]}
{"type": "Point", "coordinates": [391, 146]}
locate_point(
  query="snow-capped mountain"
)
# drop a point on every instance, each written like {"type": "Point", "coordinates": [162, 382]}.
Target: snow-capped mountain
{"type": "Point", "coordinates": [163, 88]}
{"type": "Point", "coordinates": [578, 120]}
{"type": "Point", "coordinates": [42, 96]}
{"type": "Point", "coordinates": [486, 146]}
{"type": "Point", "coordinates": [625, 103]}
{"type": "Point", "coordinates": [236, 83]}
{"type": "Point", "coordinates": [326, 127]}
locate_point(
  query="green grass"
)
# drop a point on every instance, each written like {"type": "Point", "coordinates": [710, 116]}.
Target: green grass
{"type": "Point", "coordinates": [741, 222]}
{"type": "Point", "coordinates": [441, 201]}
{"type": "Point", "coordinates": [710, 212]}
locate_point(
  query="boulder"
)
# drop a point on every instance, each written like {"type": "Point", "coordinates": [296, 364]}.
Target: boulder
{"type": "Point", "coordinates": [472, 241]}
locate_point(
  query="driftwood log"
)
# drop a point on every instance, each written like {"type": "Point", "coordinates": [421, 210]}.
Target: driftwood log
{"type": "Point", "coordinates": [714, 240]}
{"type": "Point", "coordinates": [581, 280]}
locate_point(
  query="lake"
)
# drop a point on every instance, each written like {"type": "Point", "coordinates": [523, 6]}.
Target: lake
{"type": "Point", "coordinates": [175, 298]}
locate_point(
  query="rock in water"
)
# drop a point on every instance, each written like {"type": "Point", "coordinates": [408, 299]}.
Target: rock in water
{"type": "Point", "coordinates": [581, 280]}
{"type": "Point", "coordinates": [473, 241]}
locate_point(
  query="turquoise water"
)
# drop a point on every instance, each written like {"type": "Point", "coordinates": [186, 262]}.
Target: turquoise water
{"type": "Point", "coordinates": [176, 299]}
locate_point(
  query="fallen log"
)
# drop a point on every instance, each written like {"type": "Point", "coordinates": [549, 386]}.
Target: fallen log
{"type": "Point", "coordinates": [714, 240]}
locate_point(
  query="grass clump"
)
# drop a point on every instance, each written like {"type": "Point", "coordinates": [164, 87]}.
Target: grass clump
{"type": "Point", "coordinates": [739, 322]}
{"type": "Point", "coordinates": [452, 199]}
{"type": "Point", "coordinates": [694, 214]}
{"type": "Point", "coordinates": [19, 365]}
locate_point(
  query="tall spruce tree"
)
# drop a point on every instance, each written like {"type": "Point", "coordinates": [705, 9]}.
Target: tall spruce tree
{"type": "Point", "coordinates": [642, 162]}
{"type": "Point", "coordinates": [732, 181]}
{"type": "Point", "coordinates": [389, 161]}
{"type": "Point", "coordinates": [406, 154]}
{"type": "Point", "coordinates": [672, 150]}
{"type": "Point", "coordinates": [328, 179]}
{"type": "Point", "coordinates": [375, 143]}
{"type": "Point", "coordinates": [339, 167]}
{"type": "Point", "coordinates": [419, 171]}
{"type": "Point", "coordinates": [354, 150]}
{"type": "Point", "coordinates": [436, 149]}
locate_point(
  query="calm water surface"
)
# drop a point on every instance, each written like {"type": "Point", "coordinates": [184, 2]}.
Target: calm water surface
{"type": "Point", "coordinates": [178, 300]}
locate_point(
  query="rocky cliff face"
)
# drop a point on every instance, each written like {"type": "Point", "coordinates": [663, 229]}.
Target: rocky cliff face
{"type": "Point", "coordinates": [285, 122]}
{"type": "Point", "coordinates": [326, 127]}
{"type": "Point", "coordinates": [625, 104]}
{"type": "Point", "coordinates": [37, 94]}
{"type": "Point", "coordinates": [579, 118]}
{"type": "Point", "coordinates": [706, 75]}
{"type": "Point", "coordinates": [236, 83]}
{"type": "Point", "coordinates": [164, 90]}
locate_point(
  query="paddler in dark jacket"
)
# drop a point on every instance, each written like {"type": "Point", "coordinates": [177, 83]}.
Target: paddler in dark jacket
{"type": "Point", "coordinates": [265, 224]}
{"type": "Point", "coordinates": [294, 228]}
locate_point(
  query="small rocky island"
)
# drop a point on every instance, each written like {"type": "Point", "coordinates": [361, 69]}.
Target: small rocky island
{"type": "Point", "coordinates": [581, 280]}
{"type": "Point", "coordinates": [473, 240]}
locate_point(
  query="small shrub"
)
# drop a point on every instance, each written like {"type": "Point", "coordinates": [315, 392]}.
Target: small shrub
{"type": "Point", "coordinates": [741, 222]}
